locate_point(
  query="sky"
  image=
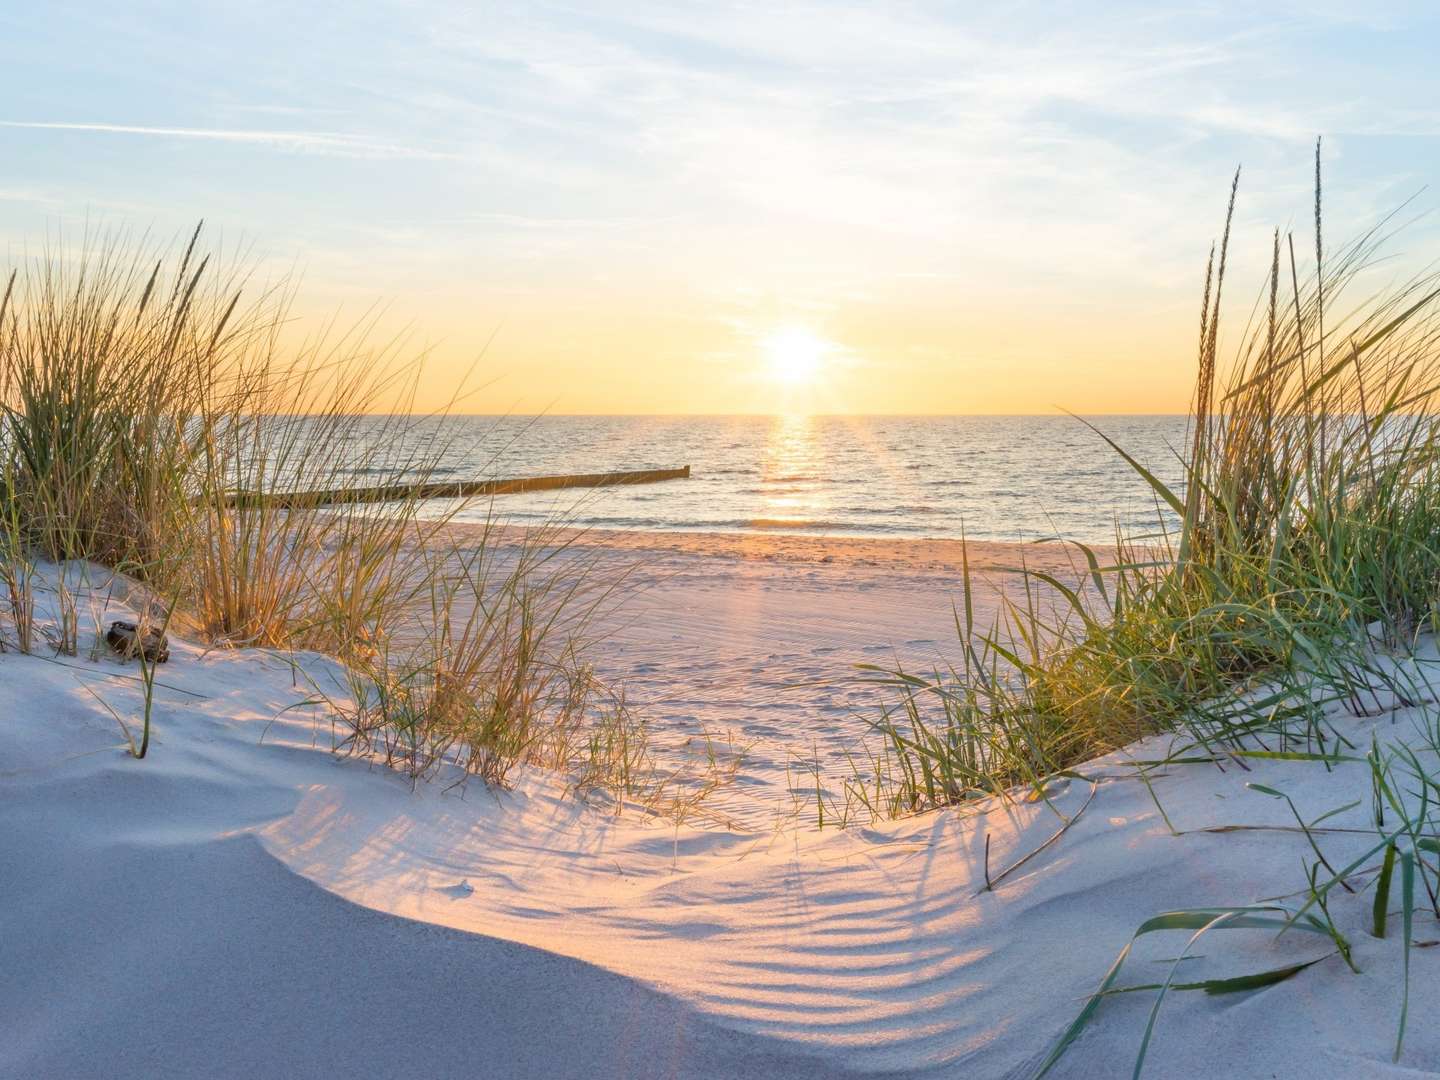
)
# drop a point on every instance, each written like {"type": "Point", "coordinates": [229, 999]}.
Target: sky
{"type": "Point", "coordinates": [734, 208]}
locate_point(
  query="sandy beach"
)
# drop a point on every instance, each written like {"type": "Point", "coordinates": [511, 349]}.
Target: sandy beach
{"type": "Point", "coordinates": [244, 903]}
{"type": "Point", "coordinates": [750, 642]}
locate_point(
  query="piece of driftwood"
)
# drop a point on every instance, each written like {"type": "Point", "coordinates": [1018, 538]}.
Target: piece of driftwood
{"type": "Point", "coordinates": [126, 640]}
{"type": "Point", "coordinates": [462, 489]}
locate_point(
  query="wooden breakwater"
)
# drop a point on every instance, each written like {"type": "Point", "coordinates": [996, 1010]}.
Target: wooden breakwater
{"type": "Point", "coordinates": [461, 489]}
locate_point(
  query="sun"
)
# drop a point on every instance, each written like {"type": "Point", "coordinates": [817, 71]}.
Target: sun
{"type": "Point", "coordinates": [794, 355]}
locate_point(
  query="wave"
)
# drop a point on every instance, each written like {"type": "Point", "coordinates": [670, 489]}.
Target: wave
{"type": "Point", "coordinates": [904, 508]}
{"type": "Point", "coordinates": [390, 470]}
{"type": "Point", "coordinates": [801, 524]}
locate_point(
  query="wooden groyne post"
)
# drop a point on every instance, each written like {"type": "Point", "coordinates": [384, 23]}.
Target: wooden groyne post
{"type": "Point", "coordinates": [462, 489]}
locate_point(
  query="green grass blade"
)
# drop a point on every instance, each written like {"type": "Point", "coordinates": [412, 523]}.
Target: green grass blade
{"type": "Point", "coordinates": [1407, 885]}
{"type": "Point", "coordinates": [1382, 893]}
{"type": "Point", "coordinates": [1241, 918]}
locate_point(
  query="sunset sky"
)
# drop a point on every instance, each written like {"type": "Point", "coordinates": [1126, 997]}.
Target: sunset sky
{"type": "Point", "coordinates": [932, 208]}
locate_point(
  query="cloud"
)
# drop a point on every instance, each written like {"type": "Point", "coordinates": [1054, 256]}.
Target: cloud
{"type": "Point", "coordinates": [328, 142]}
{"type": "Point", "coordinates": [805, 149]}
{"type": "Point", "coordinates": [527, 222]}
{"type": "Point", "coordinates": [28, 195]}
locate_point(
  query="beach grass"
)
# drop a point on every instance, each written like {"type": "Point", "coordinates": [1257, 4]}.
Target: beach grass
{"type": "Point", "coordinates": [1303, 563]}
{"type": "Point", "coordinates": [1306, 527]}
{"type": "Point", "coordinates": [143, 387]}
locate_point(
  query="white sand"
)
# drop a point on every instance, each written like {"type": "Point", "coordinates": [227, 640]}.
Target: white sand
{"type": "Point", "coordinates": [233, 906]}
{"type": "Point", "coordinates": [749, 644]}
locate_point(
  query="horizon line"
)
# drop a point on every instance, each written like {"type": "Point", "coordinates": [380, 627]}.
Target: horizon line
{"type": "Point", "coordinates": [1058, 415]}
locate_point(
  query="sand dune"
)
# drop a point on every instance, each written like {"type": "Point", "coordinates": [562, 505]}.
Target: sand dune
{"type": "Point", "coordinates": [242, 903]}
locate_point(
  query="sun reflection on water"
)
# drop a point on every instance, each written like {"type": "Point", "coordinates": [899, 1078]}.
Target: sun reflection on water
{"type": "Point", "coordinates": [791, 473]}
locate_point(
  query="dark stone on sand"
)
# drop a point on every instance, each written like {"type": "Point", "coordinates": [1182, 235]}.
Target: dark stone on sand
{"type": "Point", "coordinates": [126, 639]}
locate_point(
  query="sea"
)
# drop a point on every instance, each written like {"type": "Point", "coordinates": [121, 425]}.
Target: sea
{"type": "Point", "coordinates": [1006, 478]}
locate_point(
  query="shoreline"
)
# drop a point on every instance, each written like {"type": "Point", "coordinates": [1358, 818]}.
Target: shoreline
{"type": "Point", "coordinates": [908, 554]}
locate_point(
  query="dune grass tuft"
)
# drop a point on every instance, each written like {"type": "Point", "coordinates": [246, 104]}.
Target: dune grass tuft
{"type": "Point", "coordinates": [1283, 580]}
{"type": "Point", "coordinates": [142, 389]}
{"type": "Point", "coordinates": [1306, 524]}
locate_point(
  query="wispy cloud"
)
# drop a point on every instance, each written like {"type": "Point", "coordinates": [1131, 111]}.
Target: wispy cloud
{"type": "Point", "coordinates": [329, 142]}
{"type": "Point", "coordinates": [28, 195]}
{"type": "Point", "coordinates": [561, 224]}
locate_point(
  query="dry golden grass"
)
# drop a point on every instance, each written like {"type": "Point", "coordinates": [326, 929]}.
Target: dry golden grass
{"type": "Point", "coordinates": [141, 392]}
